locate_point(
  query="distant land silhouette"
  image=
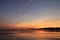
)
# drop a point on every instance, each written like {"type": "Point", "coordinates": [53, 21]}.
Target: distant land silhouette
{"type": "Point", "coordinates": [51, 29]}
{"type": "Point", "coordinates": [27, 29]}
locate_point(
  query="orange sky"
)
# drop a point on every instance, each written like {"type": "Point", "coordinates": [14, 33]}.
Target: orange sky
{"type": "Point", "coordinates": [34, 24]}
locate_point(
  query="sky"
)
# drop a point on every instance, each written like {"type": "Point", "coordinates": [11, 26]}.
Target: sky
{"type": "Point", "coordinates": [29, 13]}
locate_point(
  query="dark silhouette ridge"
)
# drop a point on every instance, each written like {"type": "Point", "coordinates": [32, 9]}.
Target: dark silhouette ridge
{"type": "Point", "coordinates": [50, 29]}
{"type": "Point", "coordinates": [32, 29]}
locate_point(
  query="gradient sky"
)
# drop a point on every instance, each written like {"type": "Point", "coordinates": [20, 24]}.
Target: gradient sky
{"type": "Point", "coordinates": [29, 13]}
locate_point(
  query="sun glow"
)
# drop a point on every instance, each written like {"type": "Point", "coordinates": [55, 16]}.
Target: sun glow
{"type": "Point", "coordinates": [40, 24]}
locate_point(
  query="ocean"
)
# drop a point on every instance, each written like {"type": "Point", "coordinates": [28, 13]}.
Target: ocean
{"type": "Point", "coordinates": [29, 35]}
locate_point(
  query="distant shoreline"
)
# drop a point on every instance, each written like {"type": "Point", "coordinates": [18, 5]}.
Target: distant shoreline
{"type": "Point", "coordinates": [46, 29]}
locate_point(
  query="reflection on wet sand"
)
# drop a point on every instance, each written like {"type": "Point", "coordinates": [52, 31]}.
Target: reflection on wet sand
{"type": "Point", "coordinates": [32, 35]}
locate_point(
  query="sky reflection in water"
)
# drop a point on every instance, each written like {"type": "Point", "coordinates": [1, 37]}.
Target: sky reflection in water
{"type": "Point", "coordinates": [35, 35]}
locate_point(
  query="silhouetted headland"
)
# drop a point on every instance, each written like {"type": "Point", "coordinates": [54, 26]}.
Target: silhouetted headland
{"type": "Point", "coordinates": [51, 29]}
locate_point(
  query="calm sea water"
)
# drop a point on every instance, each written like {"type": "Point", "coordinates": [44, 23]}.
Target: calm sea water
{"type": "Point", "coordinates": [29, 35]}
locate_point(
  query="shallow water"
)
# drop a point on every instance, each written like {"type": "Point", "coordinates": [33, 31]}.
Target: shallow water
{"type": "Point", "coordinates": [32, 35]}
